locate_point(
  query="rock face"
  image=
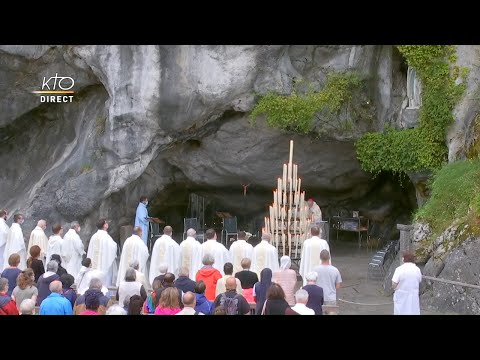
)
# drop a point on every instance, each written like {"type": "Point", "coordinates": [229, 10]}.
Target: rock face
{"type": "Point", "coordinates": [460, 265]}
{"type": "Point", "coordinates": [460, 136]}
{"type": "Point", "coordinates": [167, 120]}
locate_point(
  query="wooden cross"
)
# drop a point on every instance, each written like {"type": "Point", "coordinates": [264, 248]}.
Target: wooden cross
{"type": "Point", "coordinates": [245, 189]}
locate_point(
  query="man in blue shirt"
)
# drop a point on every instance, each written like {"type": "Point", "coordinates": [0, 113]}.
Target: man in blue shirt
{"type": "Point", "coordinates": [56, 303]}
{"type": "Point", "coordinates": [141, 217]}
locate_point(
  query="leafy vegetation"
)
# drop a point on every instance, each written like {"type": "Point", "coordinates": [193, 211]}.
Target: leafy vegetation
{"type": "Point", "coordinates": [86, 168]}
{"type": "Point", "coordinates": [424, 147]}
{"type": "Point", "coordinates": [297, 112]}
{"type": "Point", "coordinates": [455, 196]}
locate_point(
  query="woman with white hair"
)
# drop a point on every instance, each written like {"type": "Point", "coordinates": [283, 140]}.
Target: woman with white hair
{"type": "Point", "coordinates": [286, 278]}
{"type": "Point", "coordinates": [315, 293]}
{"type": "Point", "coordinates": [209, 275]}
{"type": "Point", "coordinates": [116, 310]}
{"type": "Point", "coordinates": [301, 297]}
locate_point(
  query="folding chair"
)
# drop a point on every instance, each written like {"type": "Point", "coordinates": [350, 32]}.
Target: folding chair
{"type": "Point", "coordinates": [229, 228]}
{"type": "Point", "coordinates": [155, 233]}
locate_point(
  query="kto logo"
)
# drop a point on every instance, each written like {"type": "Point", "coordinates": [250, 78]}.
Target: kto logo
{"type": "Point", "coordinates": [56, 89]}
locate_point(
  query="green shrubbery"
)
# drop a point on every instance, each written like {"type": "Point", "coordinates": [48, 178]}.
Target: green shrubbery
{"type": "Point", "coordinates": [455, 196]}
{"type": "Point", "coordinates": [297, 112]}
{"type": "Point", "coordinates": [424, 147]}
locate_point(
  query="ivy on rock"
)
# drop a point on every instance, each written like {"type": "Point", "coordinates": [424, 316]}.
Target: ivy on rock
{"type": "Point", "coordinates": [424, 147]}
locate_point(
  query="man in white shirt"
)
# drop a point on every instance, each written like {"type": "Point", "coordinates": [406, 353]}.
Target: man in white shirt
{"type": "Point", "coordinates": [314, 211]}
{"type": "Point", "coordinates": [55, 242]}
{"type": "Point", "coordinates": [216, 249]}
{"type": "Point", "coordinates": [38, 237]}
{"type": "Point", "coordinates": [15, 243]}
{"type": "Point", "coordinates": [165, 251]}
{"type": "Point", "coordinates": [73, 249]}
{"type": "Point", "coordinates": [3, 235]}
{"type": "Point", "coordinates": [406, 282]}
{"type": "Point", "coordinates": [301, 299]}
{"type": "Point", "coordinates": [239, 250]}
{"type": "Point", "coordinates": [189, 302]}
{"type": "Point", "coordinates": [311, 249]}
{"type": "Point", "coordinates": [191, 253]}
{"type": "Point", "coordinates": [264, 256]}
{"type": "Point", "coordinates": [102, 250]}
{"type": "Point", "coordinates": [134, 249]}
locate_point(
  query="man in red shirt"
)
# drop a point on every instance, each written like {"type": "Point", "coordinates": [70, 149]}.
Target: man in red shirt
{"type": "Point", "coordinates": [7, 305]}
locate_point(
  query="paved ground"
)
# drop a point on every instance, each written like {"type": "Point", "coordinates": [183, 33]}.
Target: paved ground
{"type": "Point", "coordinates": [352, 263]}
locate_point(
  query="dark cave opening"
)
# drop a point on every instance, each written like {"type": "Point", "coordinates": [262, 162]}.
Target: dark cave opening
{"type": "Point", "coordinates": [389, 201]}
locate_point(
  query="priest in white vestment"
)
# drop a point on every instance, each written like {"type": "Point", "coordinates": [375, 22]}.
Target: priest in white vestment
{"type": "Point", "coordinates": [239, 250]}
{"type": "Point", "coordinates": [165, 251]}
{"type": "Point", "coordinates": [73, 250]}
{"type": "Point", "coordinates": [406, 282]}
{"type": "Point", "coordinates": [102, 250]}
{"type": "Point", "coordinates": [4, 229]}
{"type": "Point", "coordinates": [55, 242]}
{"type": "Point", "coordinates": [216, 249]}
{"type": "Point", "coordinates": [134, 248]}
{"type": "Point", "coordinates": [311, 250]}
{"type": "Point", "coordinates": [191, 254]}
{"type": "Point", "coordinates": [38, 237]}
{"type": "Point", "coordinates": [264, 256]}
{"type": "Point", "coordinates": [15, 243]}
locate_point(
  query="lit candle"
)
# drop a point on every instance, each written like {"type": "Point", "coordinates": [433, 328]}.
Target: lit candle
{"type": "Point", "coordinates": [294, 176]}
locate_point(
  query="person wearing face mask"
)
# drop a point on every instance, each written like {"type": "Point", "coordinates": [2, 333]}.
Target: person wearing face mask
{"type": "Point", "coordinates": [141, 217]}
{"type": "Point", "coordinates": [16, 243]}
{"type": "Point", "coordinates": [73, 250]}
{"type": "Point", "coordinates": [3, 235]}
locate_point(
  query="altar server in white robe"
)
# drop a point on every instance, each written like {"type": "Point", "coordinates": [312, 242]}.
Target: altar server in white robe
{"type": "Point", "coordinates": [165, 251]}
{"type": "Point", "coordinates": [191, 254]}
{"type": "Point", "coordinates": [55, 242]}
{"type": "Point", "coordinates": [239, 250]}
{"type": "Point", "coordinates": [216, 249]}
{"type": "Point", "coordinates": [265, 255]}
{"type": "Point", "coordinates": [38, 237]}
{"type": "Point", "coordinates": [406, 282]}
{"type": "Point", "coordinates": [15, 243]}
{"type": "Point", "coordinates": [134, 248]}
{"type": "Point", "coordinates": [311, 250]}
{"type": "Point", "coordinates": [73, 250]}
{"type": "Point", "coordinates": [102, 249]}
{"type": "Point", "coordinates": [4, 229]}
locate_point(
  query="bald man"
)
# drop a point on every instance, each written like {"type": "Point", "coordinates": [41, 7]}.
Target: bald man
{"type": "Point", "coordinates": [189, 302]}
{"type": "Point", "coordinates": [233, 303]}
{"type": "Point", "coordinates": [56, 303]}
{"type": "Point", "coordinates": [165, 251]}
{"type": "Point", "coordinates": [191, 253]}
{"type": "Point", "coordinates": [38, 237]}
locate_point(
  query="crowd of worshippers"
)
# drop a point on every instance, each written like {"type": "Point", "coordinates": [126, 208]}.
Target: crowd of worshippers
{"type": "Point", "coordinates": [190, 278]}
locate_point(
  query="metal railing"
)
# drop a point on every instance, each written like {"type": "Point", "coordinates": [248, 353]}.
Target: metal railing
{"type": "Point", "coordinates": [450, 282]}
